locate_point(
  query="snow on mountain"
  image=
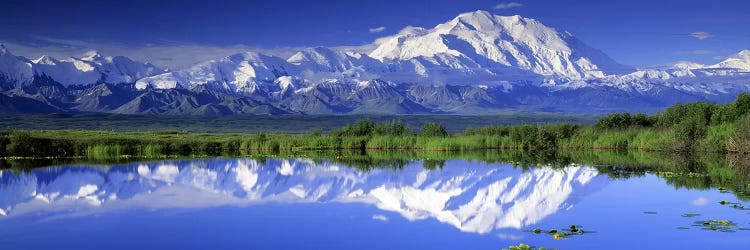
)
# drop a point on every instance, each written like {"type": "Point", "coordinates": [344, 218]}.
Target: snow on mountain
{"type": "Point", "coordinates": [513, 61]}
{"type": "Point", "coordinates": [740, 61]}
{"type": "Point", "coordinates": [120, 69]}
{"type": "Point", "coordinates": [492, 41]}
{"type": "Point", "coordinates": [472, 198]}
{"type": "Point", "coordinates": [321, 59]}
{"type": "Point", "coordinates": [724, 78]}
{"type": "Point", "coordinates": [93, 68]}
{"type": "Point", "coordinates": [243, 72]}
{"type": "Point", "coordinates": [72, 71]}
{"type": "Point", "coordinates": [685, 65]}
{"type": "Point", "coordinates": [14, 70]}
{"type": "Point", "coordinates": [738, 64]}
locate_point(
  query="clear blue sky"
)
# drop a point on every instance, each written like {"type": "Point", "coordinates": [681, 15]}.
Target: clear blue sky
{"type": "Point", "coordinates": [635, 32]}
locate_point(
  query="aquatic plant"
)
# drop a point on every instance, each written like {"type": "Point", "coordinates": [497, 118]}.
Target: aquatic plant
{"type": "Point", "coordinates": [559, 234]}
{"type": "Point", "coordinates": [690, 215]}
{"type": "Point", "coordinates": [725, 226]}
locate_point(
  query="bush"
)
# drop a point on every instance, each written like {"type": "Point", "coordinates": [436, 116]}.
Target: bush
{"type": "Point", "coordinates": [688, 132]}
{"type": "Point", "coordinates": [546, 139]}
{"type": "Point", "coordinates": [624, 121]}
{"type": "Point", "coordinates": [23, 144]}
{"type": "Point", "coordinates": [740, 139]}
{"type": "Point", "coordinates": [695, 112]}
{"type": "Point", "coordinates": [431, 129]}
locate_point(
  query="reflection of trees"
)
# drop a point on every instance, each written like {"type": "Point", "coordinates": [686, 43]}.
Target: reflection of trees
{"type": "Point", "coordinates": [709, 172]}
{"type": "Point", "coordinates": [433, 164]}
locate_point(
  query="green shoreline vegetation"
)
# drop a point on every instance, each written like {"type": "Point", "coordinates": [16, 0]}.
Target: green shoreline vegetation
{"type": "Point", "coordinates": [682, 128]}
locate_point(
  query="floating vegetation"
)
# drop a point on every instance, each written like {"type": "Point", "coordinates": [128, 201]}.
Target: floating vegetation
{"type": "Point", "coordinates": [690, 215]}
{"type": "Point", "coordinates": [725, 226]}
{"type": "Point", "coordinates": [735, 205]}
{"type": "Point", "coordinates": [523, 246]}
{"type": "Point", "coordinates": [649, 212]}
{"type": "Point", "coordinates": [558, 234]}
{"type": "Point", "coordinates": [669, 174]}
{"type": "Point", "coordinates": [683, 228]}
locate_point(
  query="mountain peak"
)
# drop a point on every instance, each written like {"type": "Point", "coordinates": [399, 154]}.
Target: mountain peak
{"type": "Point", "coordinates": [475, 14]}
{"type": "Point", "coordinates": [3, 49]}
{"type": "Point", "coordinates": [45, 59]}
{"type": "Point", "coordinates": [507, 43]}
{"type": "Point", "coordinates": [250, 56]}
{"type": "Point", "coordinates": [744, 53]}
{"type": "Point", "coordinates": [740, 61]}
{"type": "Point", "coordinates": [483, 14]}
{"type": "Point", "coordinates": [92, 55]}
{"type": "Point", "coordinates": [486, 20]}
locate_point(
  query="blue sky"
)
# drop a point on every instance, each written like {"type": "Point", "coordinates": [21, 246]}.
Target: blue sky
{"type": "Point", "coordinates": [634, 32]}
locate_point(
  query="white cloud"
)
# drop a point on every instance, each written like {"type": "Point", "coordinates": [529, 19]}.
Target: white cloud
{"type": "Point", "coordinates": [377, 30]}
{"type": "Point", "coordinates": [508, 5]}
{"type": "Point", "coordinates": [504, 236]}
{"type": "Point", "coordinates": [701, 201]}
{"type": "Point", "coordinates": [701, 35]}
{"type": "Point", "coordinates": [380, 217]}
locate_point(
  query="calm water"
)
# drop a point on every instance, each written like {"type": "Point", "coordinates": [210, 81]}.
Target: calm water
{"type": "Point", "coordinates": [301, 204]}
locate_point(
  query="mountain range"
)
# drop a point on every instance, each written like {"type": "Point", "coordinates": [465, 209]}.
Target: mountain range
{"type": "Point", "coordinates": [476, 63]}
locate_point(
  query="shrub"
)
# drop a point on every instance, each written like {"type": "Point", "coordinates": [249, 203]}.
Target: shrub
{"type": "Point", "coordinates": [432, 129]}
{"type": "Point", "coordinates": [740, 139]}
{"type": "Point", "coordinates": [688, 132]}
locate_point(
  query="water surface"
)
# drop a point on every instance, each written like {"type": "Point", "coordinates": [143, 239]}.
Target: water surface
{"type": "Point", "coordinates": [304, 204]}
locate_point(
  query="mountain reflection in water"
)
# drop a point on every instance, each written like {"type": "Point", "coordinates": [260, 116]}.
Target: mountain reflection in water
{"type": "Point", "coordinates": [473, 197]}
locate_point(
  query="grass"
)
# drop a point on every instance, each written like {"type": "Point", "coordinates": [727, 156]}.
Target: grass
{"type": "Point", "coordinates": [154, 144]}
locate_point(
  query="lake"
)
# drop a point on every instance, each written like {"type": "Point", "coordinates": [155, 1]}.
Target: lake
{"type": "Point", "coordinates": [319, 203]}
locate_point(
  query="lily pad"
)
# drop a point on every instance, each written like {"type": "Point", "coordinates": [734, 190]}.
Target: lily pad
{"type": "Point", "coordinates": [725, 226]}
{"type": "Point", "coordinates": [558, 234]}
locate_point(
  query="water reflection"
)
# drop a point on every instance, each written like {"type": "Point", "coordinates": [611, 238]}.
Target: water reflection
{"type": "Point", "coordinates": [473, 197]}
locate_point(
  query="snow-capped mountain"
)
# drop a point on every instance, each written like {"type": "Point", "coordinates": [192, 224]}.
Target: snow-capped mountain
{"type": "Point", "coordinates": [499, 42]}
{"type": "Point", "coordinates": [474, 63]}
{"type": "Point", "coordinates": [322, 60]}
{"type": "Point", "coordinates": [741, 61]}
{"type": "Point", "coordinates": [473, 198]}
{"type": "Point", "coordinates": [738, 64]}
{"type": "Point", "coordinates": [14, 70]}
{"type": "Point", "coordinates": [239, 73]}
{"type": "Point", "coordinates": [93, 68]}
